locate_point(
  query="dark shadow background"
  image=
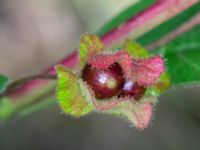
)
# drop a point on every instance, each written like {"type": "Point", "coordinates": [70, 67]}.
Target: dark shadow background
{"type": "Point", "coordinates": [34, 35]}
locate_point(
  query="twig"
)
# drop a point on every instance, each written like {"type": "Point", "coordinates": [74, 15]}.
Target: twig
{"type": "Point", "coordinates": [16, 84]}
{"type": "Point", "coordinates": [145, 21]}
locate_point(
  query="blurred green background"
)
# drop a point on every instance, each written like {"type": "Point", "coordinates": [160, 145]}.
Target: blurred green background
{"type": "Point", "coordinates": [36, 34]}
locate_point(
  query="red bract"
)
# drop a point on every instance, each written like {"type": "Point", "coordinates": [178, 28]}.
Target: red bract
{"type": "Point", "coordinates": [146, 71]}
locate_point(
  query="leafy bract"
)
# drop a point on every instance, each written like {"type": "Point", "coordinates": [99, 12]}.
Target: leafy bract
{"type": "Point", "coordinates": [162, 84]}
{"type": "Point", "coordinates": [89, 45]}
{"type": "Point", "coordinates": [138, 114]}
{"type": "Point", "coordinates": [135, 49]}
{"type": "Point", "coordinates": [73, 97]}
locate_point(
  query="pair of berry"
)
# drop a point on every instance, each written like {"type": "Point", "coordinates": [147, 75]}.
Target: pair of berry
{"type": "Point", "coordinates": [110, 82]}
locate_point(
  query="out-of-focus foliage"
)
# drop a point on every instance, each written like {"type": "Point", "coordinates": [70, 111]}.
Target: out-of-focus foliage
{"type": "Point", "coordinates": [102, 16]}
{"type": "Point", "coordinates": [3, 82]}
{"type": "Point", "coordinates": [183, 57]}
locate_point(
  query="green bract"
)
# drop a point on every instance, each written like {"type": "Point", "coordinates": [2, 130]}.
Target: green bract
{"type": "Point", "coordinates": [89, 44]}
{"type": "Point", "coordinates": [135, 49]}
{"type": "Point", "coordinates": [73, 97]}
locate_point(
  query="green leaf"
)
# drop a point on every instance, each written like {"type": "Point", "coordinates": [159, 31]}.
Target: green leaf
{"type": "Point", "coordinates": [135, 49]}
{"type": "Point", "coordinates": [46, 102]}
{"type": "Point", "coordinates": [3, 83]}
{"type": "Point", "coordinates": [73, 96]}
{"type": "Point", "coordinates": [183, 57]}
{"type": "Point", "coordinates": [6, 108]}
{"type": "Point", "coordinates": [89, 44]}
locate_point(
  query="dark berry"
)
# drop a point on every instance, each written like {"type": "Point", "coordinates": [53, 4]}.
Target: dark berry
{"type": "Point", "coordinates": [131, 88]}
{"type": "Point", "coordinates": [105, 83]}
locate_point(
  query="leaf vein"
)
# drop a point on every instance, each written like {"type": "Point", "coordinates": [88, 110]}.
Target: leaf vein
{"type": "Point", "coordinates": [184, 59]}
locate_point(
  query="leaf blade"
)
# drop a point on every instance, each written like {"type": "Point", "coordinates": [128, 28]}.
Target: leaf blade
{"type": "Point", "coordinates": [4, 81]}
{"type": "Point", "coordinates": [183, 58]}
